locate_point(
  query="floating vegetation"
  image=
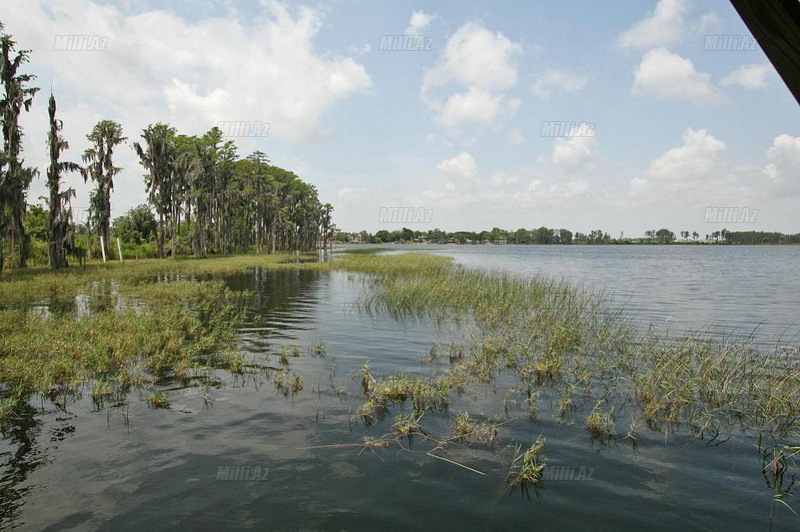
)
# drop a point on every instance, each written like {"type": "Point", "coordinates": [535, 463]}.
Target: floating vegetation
{"type": "Point", "coordinates": [600, 424]}
{"type": "Point", "coordinates": [407, 424]}
{"type": "Point", "coordinates": [158, 399]}
{"type": "Point", "coordinates": [287, 382]}
{"type": "Point", "coordinates": [527, 467]}
{"type": "Point", "coordinates": [478, 432]}
{"type": "Point", "coordinates": [318, 349]}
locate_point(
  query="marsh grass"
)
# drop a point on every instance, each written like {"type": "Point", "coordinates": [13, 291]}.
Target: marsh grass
{"type": "Point", "coordinates": [526, 468]}
{"type": "Point", "coordinates": [549, 333]}
{"type": "Point", "coordinates": [158, 399]}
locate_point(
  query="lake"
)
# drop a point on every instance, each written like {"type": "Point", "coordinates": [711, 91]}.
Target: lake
{"type": "Point", "coordinates": [234, 452]}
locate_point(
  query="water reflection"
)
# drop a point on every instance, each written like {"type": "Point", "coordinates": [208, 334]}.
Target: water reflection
{"type": "Point", "coordinates": [21, 454]}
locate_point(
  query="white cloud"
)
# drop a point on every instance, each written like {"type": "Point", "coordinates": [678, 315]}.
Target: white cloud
{"type": "Point", "coordinates": [482, 62]}
{"type": "Point", "coordinates": [666, 75]}
{"type": "Point", "coordinates": [575, 150]}
{"type": "Point", "coordinates": [554, 79]}
{"type": "Point", "coordinates": [664, 27]}
{"type": "Point", "coordinates": [460, 166]}
{"type": "Point", "coordinates": [419, 21]}
{"type": "Point", "coordinates": [475, 57]}
{"type": "Point", "coordinates": [476, 107]}
{"type": "Point", "coordinates": [784, 168]}
{"type": "Point", "coordinates": [697, 158]}
{"type": "Point", "coordinates": [750, 76]}
{"type": "Point", "coordinates": [251, 72]}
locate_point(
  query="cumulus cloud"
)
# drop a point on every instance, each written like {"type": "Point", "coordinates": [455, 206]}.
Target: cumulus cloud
{"type": "Point", "coordinates": [664, 27]}
{"type": "Point", "coordinates": [461, 166]}
{"type": "Point", "coordinates": [475, 57]}
{"type": "Point", "coordinates": [691, 176]}
{"type": "Point", "coordinates": [576, 149]}
{"type": "Point", "coordinates": [251, 72]}
{"type": "Point", "coordinates": [666, 75]}
{"type": "Point", "coordinates": [419, 21]}
{"type": "Point", "coordinates": [475, 107]}
{"type": "Point", "coordinates": [697, 158]}
{"type": "Point", "coordinates": [483, 63]}
{"type": "Point", "coordinates": [553, 80]}
{"type": "Point", "coordinates": [752, 76]}
{"type": "Point", "coordinates": [784, 167]}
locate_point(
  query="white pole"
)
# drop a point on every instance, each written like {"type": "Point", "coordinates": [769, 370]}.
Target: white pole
{"type": "Point", "coordinates": [103, 248]}
{"type": "Point", "coordinates": [119, 248]}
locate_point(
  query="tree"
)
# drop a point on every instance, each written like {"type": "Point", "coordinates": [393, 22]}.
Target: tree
{"type": "Point", "coordinates": [15, 178]}
{"type": "Point", "coordinates": [105, 136]}
{"type": "Point", "coordinates": [158, 157]}
{"type": "Point", "coordinates": [138, 225]}
{"type": "Point", "coordinates": [665, 236]}
{"type": "Point", "coordinates": [59, 217]}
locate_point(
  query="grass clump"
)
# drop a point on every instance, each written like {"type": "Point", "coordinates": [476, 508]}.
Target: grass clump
{"type": "Point", "coordinates": [479, 432]}
{"type": "Point", "coordinates": [527, 467]}
{"type": "Point", "coordinates": [158, 399]}
{"type": "Point", "coordinates": [600, 424]}
{"type": "Point", "coordinates": [407, 423]}
{"type": "Point", "coordinates": [287, 382]}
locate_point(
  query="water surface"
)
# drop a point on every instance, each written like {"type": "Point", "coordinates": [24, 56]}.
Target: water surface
{"type": "Point", "coordinates": [130, 467]}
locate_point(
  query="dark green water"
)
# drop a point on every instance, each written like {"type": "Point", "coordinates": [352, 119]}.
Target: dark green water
{"type": "Point", "coordinates": [136, 468]}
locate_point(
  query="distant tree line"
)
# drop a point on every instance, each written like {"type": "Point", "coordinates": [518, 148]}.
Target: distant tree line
{"type": "Point", "coordinates": [202, 197]}
{"type": "Point", "coordinates": [546, 235]}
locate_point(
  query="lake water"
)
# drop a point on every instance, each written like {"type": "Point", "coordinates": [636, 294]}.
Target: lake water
{"type": "Point", "coordinates": [131, 467]}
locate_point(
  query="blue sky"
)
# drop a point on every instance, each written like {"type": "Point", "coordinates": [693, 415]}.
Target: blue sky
{"type": "Point", "coordinates": [457, 128]}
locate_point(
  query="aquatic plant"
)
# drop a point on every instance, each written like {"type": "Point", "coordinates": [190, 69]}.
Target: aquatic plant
{"type": "Point", "coordinates": [158, 399]}
{"type": "Point", "coordinates": [526, 467]}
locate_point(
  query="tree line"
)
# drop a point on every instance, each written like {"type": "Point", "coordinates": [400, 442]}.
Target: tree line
{"type": "Point", "coordinates": [201, 196]}
{"type": "Point", "coordinates": [546, 235]}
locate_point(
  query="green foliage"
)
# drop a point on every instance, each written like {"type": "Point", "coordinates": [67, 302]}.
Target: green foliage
{"type": "Point", "coordinates": [137, 226]}
{"type": "Point", "coordinates": [36, 222]}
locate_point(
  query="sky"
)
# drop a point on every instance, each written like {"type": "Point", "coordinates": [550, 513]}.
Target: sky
{"type": "Point", "coordinates": [657, 124]}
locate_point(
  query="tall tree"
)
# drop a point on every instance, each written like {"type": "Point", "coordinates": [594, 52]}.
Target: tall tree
{"type": "Point", "coordinates": [158, 157]}
{"type": "Point", "coordinates": [59, 217]}
{"type": "Point", "coordinates": [15, 178]}
{"type": "Point", "coordinates": [105, 136]}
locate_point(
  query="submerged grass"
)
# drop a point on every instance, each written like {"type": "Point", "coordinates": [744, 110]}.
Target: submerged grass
{"type": "Point", "coordinates": [552, 334]}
